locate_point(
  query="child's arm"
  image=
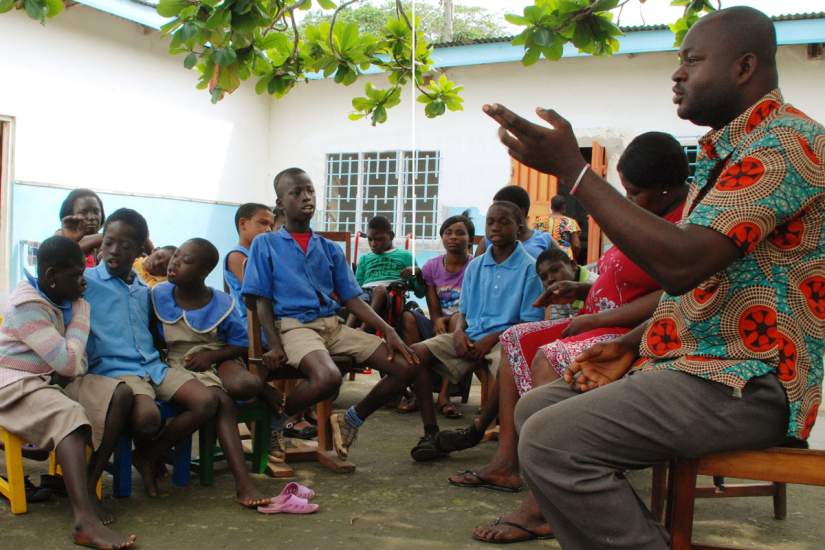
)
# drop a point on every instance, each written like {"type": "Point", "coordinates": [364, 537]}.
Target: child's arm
{"type": "Point", "coordinates": [365, 313]}
{"type": "Point", "coordinates": [203, 360]}
{"type": "Point", "coordinates": [414, 280]}
{"type": "Point", "coordinates": [236, 262]}
{"type": "Point", "coordinates": [65, 354]}
{"type": "Point", "coordinates": [563, 292]}
{"type": "Point", "coordinates": [627, 315]}
{"type": "Point", "coordinates": [436, 313]}
{"type": "Point", "coordinates": [482, 346]}
{"type": "Point", "coordinates": [275, 357]}
{"type": "Point", "coordinates": [461, 342]}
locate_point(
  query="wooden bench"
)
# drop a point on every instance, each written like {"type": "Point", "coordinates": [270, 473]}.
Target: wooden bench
{"type": "Point", "coordinates": [776, 465]}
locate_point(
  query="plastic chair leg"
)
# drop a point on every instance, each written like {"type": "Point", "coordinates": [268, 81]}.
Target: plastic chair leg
{"type": "Point", "coordinates": [181, 469]}
{"type": "Point", "coordinates": [13, 486]}
{"type": "Point", "coordinates": [260, 442]}
{"type": "Point", "coordinates": [121, 467]}
{"type": "Point", "coordinates": [207, 443]}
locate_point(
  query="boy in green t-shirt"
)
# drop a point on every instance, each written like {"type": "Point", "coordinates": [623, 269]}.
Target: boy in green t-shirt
{"type": "Point", "coordinates": [385, 267]}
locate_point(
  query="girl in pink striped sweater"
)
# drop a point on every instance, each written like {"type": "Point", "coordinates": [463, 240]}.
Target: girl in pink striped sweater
{"type": "Point", "coordinates": [44, 333]}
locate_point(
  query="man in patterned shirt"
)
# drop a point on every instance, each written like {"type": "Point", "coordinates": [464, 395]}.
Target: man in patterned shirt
{"type": "Point", "coordinates": [733, 356]}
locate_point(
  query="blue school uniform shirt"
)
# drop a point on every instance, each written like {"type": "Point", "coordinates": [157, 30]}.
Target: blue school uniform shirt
{"type": "Point", "coordinates": [538, 242]}
{"type": "Point", "coordinates": [120, 343]}
{"type": "Point", "coordinates": [303, 286]}
{"type": "Point", "coordinates": [496, 296]}
{"type": "Point", "coordinates": [219, 313]}
{"type": "Point", "coordinates": [65, 308]}
{"type": "Point", "coordinates": [232, 282]}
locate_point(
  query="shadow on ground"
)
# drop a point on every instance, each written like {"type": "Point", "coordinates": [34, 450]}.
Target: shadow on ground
{"type": "Point", "coordinates": [390, 502]}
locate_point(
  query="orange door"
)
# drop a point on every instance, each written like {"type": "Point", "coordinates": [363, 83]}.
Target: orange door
{"type": "Point", "coordinates": [598, 162]}
{"type": "Point", "coordinates": [541, 188]}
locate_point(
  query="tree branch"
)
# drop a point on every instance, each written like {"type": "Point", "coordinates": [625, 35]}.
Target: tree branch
{"type": "Point", "coordinates": [399, 9]}
{"type": "Point", "coordinates": [332, 26]}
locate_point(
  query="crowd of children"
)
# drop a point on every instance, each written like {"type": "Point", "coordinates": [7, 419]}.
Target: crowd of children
{"type": "Point", "coordinates": [179, 340]}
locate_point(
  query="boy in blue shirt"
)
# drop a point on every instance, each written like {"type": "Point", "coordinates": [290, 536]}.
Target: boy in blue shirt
{"type": "Point", "coordinates": [122, 346]}
{"type": "Point", "coordinates": [251, 220]}
{"type": "Point", "coordinates": [498, 291]}
{"type": "Point", "coordinates": [299, 281]}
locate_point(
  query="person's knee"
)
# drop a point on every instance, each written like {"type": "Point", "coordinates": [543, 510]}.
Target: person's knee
{"type": "Point", "coordinates": [327, 383]}
{"type": "Point", "coordinates": [123, 398]}
{"type": "Point", "coordinates": [526, 407]}
{"type": "Point", "coordinates": [146, 422]}
{"type": "Point", "coordinates": [244, 387]}
{"type": "Point", "coordinates": [408, 323]}
{"type": "Point", "coordinates": [205, 404]}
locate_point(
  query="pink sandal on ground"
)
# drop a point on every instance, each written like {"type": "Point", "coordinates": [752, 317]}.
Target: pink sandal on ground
{"type": "Point", "coordinates": [288, 504]}
{"type": "Point", "coordinates": [294, 488]}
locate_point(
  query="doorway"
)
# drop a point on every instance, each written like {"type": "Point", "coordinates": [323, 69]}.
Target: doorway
{"type": "Point", "coordinates": [6, 136]}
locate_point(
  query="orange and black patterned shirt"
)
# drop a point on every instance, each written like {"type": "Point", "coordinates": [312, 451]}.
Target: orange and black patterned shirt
{"type": "Point", "coordinates": [765, 313]}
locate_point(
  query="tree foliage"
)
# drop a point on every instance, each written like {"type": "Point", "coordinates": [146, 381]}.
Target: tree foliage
{"type": "Point", "coordinates": [230, 41]}
{"type": "Point", "coordinates": [469, 22]}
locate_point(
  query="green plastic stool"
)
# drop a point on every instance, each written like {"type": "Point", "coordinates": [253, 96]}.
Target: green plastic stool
{"type": "Point", "coordinates": [254, 411]}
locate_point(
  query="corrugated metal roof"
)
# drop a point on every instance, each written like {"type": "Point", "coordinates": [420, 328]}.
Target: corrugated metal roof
{"type": "Point", "coordinates": [625, 29]}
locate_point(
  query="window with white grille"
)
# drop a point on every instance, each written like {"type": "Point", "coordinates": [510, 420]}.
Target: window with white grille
{"type": "Point", "coordinates": [393, 184]}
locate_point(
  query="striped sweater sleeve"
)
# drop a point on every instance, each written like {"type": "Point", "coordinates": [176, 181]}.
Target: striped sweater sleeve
{"type": "Point", "coordinates": [64, 354]}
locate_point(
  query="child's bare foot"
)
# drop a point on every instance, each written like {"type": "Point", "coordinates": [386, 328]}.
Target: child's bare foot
{"type": "Point", "coordinates": [106, 517]}
{"type": "Point", "coordinates": [95, 535]}
{"type": "Point", "coordinates": [250, 497]}
{"type": "Point", "coordinates": [148, 470]}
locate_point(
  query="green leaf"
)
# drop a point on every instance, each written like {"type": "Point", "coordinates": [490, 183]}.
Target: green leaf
{"type": "Point", "coordinates": [434, 109]}
{"type": "Point", "coordinates": [605, 5]}
{"type": "Point", "coordinates": [190, 61]}
{"type": "Point", "coordinates": [356, 116]}
{"type": "Point", "coordinates": [530, 56]}
{"type": "Point", "coordinates": [54, 7]}
{"type": "Point", "coordinates": [6, 5]}
{"type": "Point", "coordinates": [171, 8]}
{"type": "Point", "coordinates": [379, 116]}
{"type": "Point", "coordinates": [454, 102]}
{"type": "Point", "coordinates": [186, 32]}
{"type": "Point", "coordinates": [327, 4]}
{"type": "Point", "coordinates": [36, 9]}
{"type": "Point", "coordinates": [542, 37]}
{"type": "Point", "coordinates": [514, 19]}
{"type": "Point", "coordinates": [554, 51]}
{"type": "Point", "coordinates": [262, 85]}
{"type": "Point", "coordinates": [171, 26]}
{"type": "Point", "coordinates": [224, 56]}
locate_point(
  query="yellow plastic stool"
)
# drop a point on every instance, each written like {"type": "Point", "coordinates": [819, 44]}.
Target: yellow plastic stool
{"type": "Point", "coordinates": [56, 470]}
{"type": "Point", "coordinates": [12, 487]}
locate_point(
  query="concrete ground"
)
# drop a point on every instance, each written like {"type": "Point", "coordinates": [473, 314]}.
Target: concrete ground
{"type": "Point", "coordinates": [389, 502]}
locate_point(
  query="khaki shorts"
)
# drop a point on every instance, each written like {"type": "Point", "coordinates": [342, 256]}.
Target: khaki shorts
{"type": "Point", "coordinates": [453, 367]}
{"type": "Point", "coordinates": [95, 393]}
{"type": "Point", "coordinates": [324, 334]}
{"type": "Point", "coordinates": [38, 411]}
{"type": "Point", "coordinates": [175, 378]}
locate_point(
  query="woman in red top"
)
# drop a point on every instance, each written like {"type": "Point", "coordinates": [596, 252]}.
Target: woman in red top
{"type": "Point", "coordinates": [81, 216]}
{"type": "Point", "coordinates": [653, 170]}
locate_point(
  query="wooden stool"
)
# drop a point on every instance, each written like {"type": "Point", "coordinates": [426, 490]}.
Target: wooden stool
{"type": "Point", "coordinates": [719, 489]}
{"type": "Point", "coordinates": [777, 465]}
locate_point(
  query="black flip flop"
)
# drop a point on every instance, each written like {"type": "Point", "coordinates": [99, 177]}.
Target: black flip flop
{"type": "Point", "coordinates": [35, 493]}
{"type": "Point", "coordinates": [531, 535]}
{"type": "Point", "coordinates": [483, 483]}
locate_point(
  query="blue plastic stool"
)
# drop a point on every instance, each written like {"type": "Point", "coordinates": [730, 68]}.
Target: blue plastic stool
{"type": "Point", "coordinates": [121, 465]}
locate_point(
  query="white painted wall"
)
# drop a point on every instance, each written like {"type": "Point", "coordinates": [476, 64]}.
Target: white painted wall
{"type": "Point", "coordinates": [100, 103]}
{"type": "Point", "coordinates": [610, 99]}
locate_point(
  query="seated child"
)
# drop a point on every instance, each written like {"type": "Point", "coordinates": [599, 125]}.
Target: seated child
{"type": "Point", "coordinates": [152, 268]}
{"type": "Point", "coordinates": [498, 291]}
{"type": "Point", "coordinates": [122, 346]}
{"type": "Point", "coordinates": [45, 331]}
{"type": "Point", "coordinates": [443, 276]}
{"type": "Point", "coordinates": [383, 267]}
{"type": "Point", "coordinates": [554, 266]}
{"type": "Point", "coordinates": [205, 335]}
{"type": "Point", "coordinates": [251, 220]}
{"type": "Point", "coordinates": [299, 281]}
{"type": "Point", "coordinates": [535, 241]}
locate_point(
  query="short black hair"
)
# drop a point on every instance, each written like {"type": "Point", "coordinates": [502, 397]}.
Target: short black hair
{"type": "Point", "coordinates": [460, 218]}
{"type": "Point", "coordinates": [293, 171]}
{"type": "Point", "coordinates": [133, 219]}
{"type": "Point", "coordinates": [654, 160]}
{"type": "Point", "coordinates": [246, 211]}
{"type": "Point", "coordinates": [380, 223]}
{"type": "Point", "coordinates": [58, 252]}
{"type": "Point", "coordinates": [515, 194]}
{"type": "Point", "coordinates": [169, 248]}
{"type": "Point", "coordinates": [558, 203]}
{"type": "Point", "coordinates": [209, 255]}
{"type": "Point", "coordinates": [553, 255]}
{"type": "Point", "coordinates": [515, 210]}
{"type": "Point", "coordinates": [67, 208]}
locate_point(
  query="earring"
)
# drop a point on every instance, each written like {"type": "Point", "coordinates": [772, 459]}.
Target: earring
{"type": "Point", "coordinates": [664, 192]}
{"type": "Point", "coordinates": [53, 285]}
